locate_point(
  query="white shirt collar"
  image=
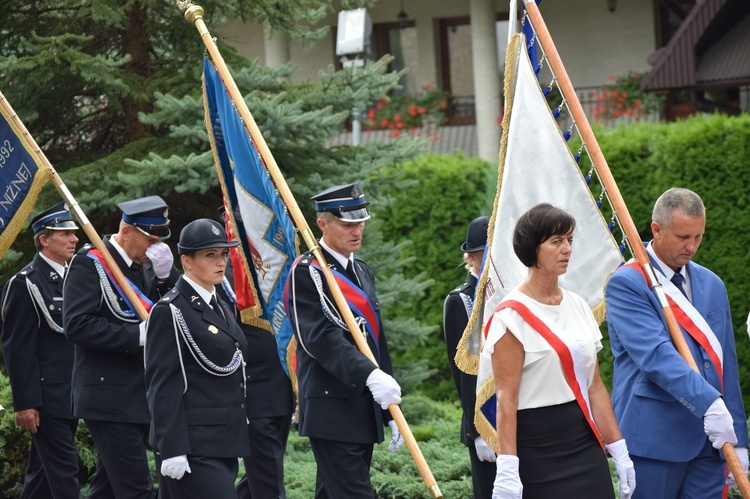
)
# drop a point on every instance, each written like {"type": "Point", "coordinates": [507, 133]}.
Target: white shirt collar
{"type": "Point", "coordinates": [668, 272]}
{"type": "Point", "coordinates": [343, 261]}
{"type": "Point", "coordinates": [125, 257]}
{"type": "Point", "coordinates": [202, 292]}
{"type": "Point", "coordinates": [60, 269]}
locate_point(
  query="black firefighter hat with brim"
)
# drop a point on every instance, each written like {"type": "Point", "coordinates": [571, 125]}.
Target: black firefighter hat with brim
{"type": "Point", "coordinates": [476, 236]}
{"type": "Point", "coordinates": [150, 215]}
{"type": "Point", "coordinates": [203, 233]}
{"type": "Point", "coordinates": [55, 218]}
{"type": "Point", "coordinates": [345, 202]}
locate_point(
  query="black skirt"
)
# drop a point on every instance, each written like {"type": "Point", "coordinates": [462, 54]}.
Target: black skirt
{"type": "Point", "coordinates": [559, 456]}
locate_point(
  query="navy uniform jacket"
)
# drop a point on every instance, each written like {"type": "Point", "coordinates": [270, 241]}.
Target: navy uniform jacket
{"type": "Point", "coordinates": [193, 411]}
{"type": "Point", "coordinates": [108, 382]}
{"type": "Point", "coordinates": [38, 357]}
{"type": "Point", "coordinates": [269, 389]}
{"type": "Point", "coordinates": [456, 312]}
{"type": "Point", "coordinates": [335, 404]}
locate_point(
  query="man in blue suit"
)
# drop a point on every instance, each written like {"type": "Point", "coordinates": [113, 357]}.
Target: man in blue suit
{"type": "Point", "coordinates": [675, 419]}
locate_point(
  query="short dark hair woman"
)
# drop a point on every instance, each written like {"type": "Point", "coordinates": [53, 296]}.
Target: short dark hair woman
{"type": "Point", "coordinates": [552, 405]}
{"type": "Point", "coordinates": [195, 374]}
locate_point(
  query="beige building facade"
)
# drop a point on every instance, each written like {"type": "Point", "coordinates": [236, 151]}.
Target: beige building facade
{"type": "Point", "coordinates": [451, 45]}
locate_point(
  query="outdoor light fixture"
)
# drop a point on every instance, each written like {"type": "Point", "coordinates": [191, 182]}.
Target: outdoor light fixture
{"type": "Point", "coordinates": [403, 17]}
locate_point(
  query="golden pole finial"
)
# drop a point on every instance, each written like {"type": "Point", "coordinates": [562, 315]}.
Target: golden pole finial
{"type": "Point", "coordinates": [193, 14]}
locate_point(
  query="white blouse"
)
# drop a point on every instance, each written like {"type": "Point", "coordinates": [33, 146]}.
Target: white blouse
{"type": "Point", "coordinates": [542, 379]}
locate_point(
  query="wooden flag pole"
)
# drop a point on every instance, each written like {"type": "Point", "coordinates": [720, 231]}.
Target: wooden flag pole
{"type": "Point", "coordinates": [618, 204]}
{"type": "Point", "coordinates": [23, 134]}
{"type": "Point", "coordinates": [194, 15]}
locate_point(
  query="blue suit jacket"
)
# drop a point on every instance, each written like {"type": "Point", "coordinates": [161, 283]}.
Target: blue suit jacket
{"type": "Point", "coordinates": [659, 400]}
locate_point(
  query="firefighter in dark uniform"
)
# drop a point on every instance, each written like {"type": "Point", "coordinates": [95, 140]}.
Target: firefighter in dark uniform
{"type": "Point", "coordinates": [270, 402]}
{"type": "Point", "coordinates": [195, 374]}
{"type": "Point", "coordinates": [39, 359]}
{"type": "Point", "coordinates": [456, 312]}
{"type": "Point", "coordinates": [109, 391]}
{"type": "Point", "coordinates": [343, 396]}
{"type": "Point", "coordinates": [270, 407]}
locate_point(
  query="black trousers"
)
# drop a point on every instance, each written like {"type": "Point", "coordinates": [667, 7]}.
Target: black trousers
{"type": "Point", "coordinates": [264, 467]}
{"type": "Point", "coordinates": [209, 478]}
{"type": "Point", "coordinates": [122, 470]}
{"type": "Point", "coordinates": [343, 469]}
{"type": "Point", "coordinates": [52, 470]}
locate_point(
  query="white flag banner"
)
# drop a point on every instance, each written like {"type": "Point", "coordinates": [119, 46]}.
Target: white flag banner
{"type": "Point", "coordinates": [536, 166]}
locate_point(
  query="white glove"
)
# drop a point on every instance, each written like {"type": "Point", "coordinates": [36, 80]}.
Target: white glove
{"type": "Point", "coordinates": [507, 482]}
{"type": "Point", "coordinates": [742, 456]}
{"type": "Point", "coordinates": [484, 451]}
{"type": "Point", "coordinates": [624, 466]}
{"type": "Point", "coordinates": [397, 440]}
{"type": "Point", "coordinates": [142, 334]}
{"type": "Point", "coordinates": [385, 390]}
{"type": "Point", "coordinates": [175, 467]}
{"type": "Point", "coordinates": [161, 259]}
{"type": "Point", "coordinates": [718, 424]}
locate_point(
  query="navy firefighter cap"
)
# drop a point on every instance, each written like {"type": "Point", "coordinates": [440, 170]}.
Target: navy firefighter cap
{"type": "Point", "coordinates": [149, 215]}
{"type": "Point", "coordinates": [345, 202]}
{"type": "Point", "coordinates": [201, 234]}
{"type": "Point", "coordinates": [55, 218]}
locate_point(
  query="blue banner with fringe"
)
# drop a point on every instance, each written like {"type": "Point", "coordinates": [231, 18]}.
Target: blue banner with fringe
{"type": "Point", "coordinates": [256, 214]}
{"type": "Point", "coordinates": [21, 177]}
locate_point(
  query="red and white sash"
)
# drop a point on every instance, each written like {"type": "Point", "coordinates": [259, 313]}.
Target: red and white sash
{"type": "Point", "coordinates": [571, 357]}
{"type": "Point", "coordinates": [690, 320]}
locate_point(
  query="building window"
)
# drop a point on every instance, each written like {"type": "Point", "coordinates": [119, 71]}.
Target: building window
{"type": "Point", "coordinates": [456, 65]}
{"type": "Point", "coordinates": [401, 42]}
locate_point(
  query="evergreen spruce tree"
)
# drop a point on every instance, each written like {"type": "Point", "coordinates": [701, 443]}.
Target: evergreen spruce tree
{"type": "Point", "coordinates": [111, 91]}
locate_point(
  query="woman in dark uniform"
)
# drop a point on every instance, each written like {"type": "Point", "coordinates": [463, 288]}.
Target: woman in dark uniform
{"type": "Point", "coordinates": [195, 374]}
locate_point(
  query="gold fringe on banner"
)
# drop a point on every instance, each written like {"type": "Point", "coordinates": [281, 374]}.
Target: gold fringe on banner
{"type": "Point", "coordinates": [469, 347]}
{"type": "Point", "coordinates": [252, 314]}
{"type": "Point", "coordinates": [41, 177]}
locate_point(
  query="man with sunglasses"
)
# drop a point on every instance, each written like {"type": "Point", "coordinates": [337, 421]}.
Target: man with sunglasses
{"type": "Point", "coordinates": [109, 391]}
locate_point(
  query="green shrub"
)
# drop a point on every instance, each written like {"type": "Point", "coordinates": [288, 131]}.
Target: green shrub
{"type": "Point", "coordinates": [14, 443]}
{"type": "Point", "coordinates": [434, 212]}
{"type": "Point", "coordinates": [709, 155]}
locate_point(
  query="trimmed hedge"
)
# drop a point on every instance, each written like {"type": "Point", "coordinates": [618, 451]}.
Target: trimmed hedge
{"type": "Point", "coordinates": [433, 212]}
{"type": "Point", "coordinates": [711, 156]}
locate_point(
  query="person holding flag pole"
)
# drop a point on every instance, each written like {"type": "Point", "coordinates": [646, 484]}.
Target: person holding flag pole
{"type": "Point", "coordinates": [109, 389]}
{"type": "Point", "coordinates": [194, 15]}
{"type": "Point", "coordinates": [691, 414]}
{"type": "Point", "coordinates": [552, 406]}
{"type": "Point", "coordinates": [623, 216]}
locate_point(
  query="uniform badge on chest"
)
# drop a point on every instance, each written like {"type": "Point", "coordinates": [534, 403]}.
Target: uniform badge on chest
{"type": "Point", "coordinates": [213, 329]}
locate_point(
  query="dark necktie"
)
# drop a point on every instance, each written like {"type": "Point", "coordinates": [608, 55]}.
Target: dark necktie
{"type": "Point", "coordinates": [138, 271]}
{"type": "Point", "coordinates": [677, 280]}
{"type": "Point", "coordinates": [217, 308]}
{"type": "Point", "coordinates": [351, 273]}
